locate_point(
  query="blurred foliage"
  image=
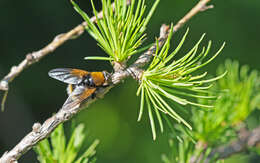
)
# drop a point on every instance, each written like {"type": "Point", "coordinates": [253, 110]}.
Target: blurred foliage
{"type": "Point", "coordinates": [58, 151]}
{"type": "Point", "coordinates": [238, 96]}
{"type": "Point", "coordinates": [235, 103]}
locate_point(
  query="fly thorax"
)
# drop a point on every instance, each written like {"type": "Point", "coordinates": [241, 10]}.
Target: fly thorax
{"type": "Point", "coordinates": [88, 81]}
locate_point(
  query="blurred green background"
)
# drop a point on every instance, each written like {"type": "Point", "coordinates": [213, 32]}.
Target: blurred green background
{"type": "Point", "coordinates": [27, 26]}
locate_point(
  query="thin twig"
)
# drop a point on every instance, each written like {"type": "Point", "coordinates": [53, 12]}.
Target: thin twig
{"type": "Point", "coordinates": [34, 57]}
{"type": "Point", "coordinates": [199, 7]}
{"type": "Point", "coordinates": [247, 139]}
{"type": "Point", "coordinates": [40, 132]}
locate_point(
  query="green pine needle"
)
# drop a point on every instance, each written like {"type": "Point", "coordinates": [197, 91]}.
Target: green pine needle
{"type": "Point", "coordinates": [119, 33]}
{"type": "Point", "coordinates": [99, 58]}
{"type": "Point", "coordinates": [167, 78]}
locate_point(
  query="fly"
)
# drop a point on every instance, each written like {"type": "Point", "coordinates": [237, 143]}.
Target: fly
{"type": "Point", "coordinates": [82, 84]}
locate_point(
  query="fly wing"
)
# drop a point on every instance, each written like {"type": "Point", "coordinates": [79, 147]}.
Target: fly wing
{"type": "Point", "coordinates": [68, 75]}
{"type": "Point", "coordinates": [79, 94]}
{"type": "Point", "coordinates": [70, 88]}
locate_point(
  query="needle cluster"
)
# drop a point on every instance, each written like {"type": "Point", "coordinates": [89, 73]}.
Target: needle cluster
{"type": "Point", "coordinates": [120, 32]}
{"type": "Point", "coordinates": [168, 84]}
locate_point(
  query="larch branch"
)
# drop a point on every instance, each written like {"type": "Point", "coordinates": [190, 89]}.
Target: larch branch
{"type": "Point", "coordinates": [40, 132]}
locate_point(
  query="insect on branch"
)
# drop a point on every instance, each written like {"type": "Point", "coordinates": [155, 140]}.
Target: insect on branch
{"type": "Point", "coordinates": [40, 132]}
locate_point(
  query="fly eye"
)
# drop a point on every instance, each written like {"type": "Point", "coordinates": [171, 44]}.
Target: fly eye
{"type": "Point", "coordinates": [86, 81]}
{"type": "Point", "coordinates": [91, 83]}
{"type": "Point", "coordinates": [106, 75]}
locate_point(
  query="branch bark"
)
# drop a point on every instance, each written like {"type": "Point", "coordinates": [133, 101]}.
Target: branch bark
{"type": "Point", "coordinates": [40, 132]}
{"type": "Point", "coordinates": [246, 140]}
